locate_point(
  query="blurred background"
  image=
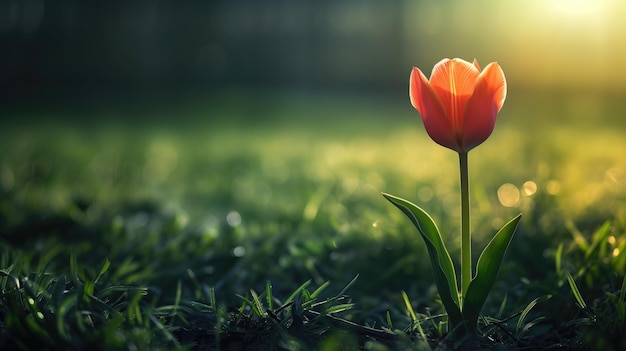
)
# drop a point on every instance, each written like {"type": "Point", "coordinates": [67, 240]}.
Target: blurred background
{"type": "Point", "coordinates": [68, 51]}
{"type": "Point", "coordinates": [224, 124]}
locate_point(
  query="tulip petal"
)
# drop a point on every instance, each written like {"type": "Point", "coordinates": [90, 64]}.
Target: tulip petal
{"type": "Point", "coordinates": [425, 99]}
{"type": "Point", "coordinates": [476, 64]}
{"type": "Point", "coordinates": [454, 81]}
{"type": "Point", "coordinates": [493, 77]}
{"type": "Point", "coordinates": [483, 106]}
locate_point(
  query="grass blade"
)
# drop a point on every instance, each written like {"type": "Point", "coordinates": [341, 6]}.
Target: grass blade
{"type": "Point", "coordinates": [297, 292]}
{"type": "Point", "coordinates": [103, 269]}
{"type": "Point", "coordinates": [413, 315]}
{"type": "Point", "coordinates": [179, 292]}
{"type": "Point", "coordinates": [527, 310]}
{"type": "Point", "coordinates": [576, 292]}
{"type": "Point", "coordinates": [389, 323]}
{"type": "Point", "coordinates": [622, 293]}
{"type": "Point", "coordinates": [558, 259]}
{"type": "Point", "coordinates": [339, 308]}
{"type": "Point", "coordinates": [409, 307]}
{"type": "Point", "coordinates": [268, 293]}
{"type": "Point", "coordinates": [317, 291]}
{"type": "Point", "coordinates": [257, 305]}
{"type": "Point", "coordinates": [345, 288]}
{"type": "Point", "coordinates": [212, 298]}
{"type": "Point", "coordinates": [599, 237]}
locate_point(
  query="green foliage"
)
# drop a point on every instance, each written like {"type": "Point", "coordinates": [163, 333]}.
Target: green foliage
{"type": "Point", "coordinates": [603, 309]}
{"type": "Point", "coordinates": [488, 265]}
{"type": "Point", "coordinates": [191, 216]}
{"type": "Point", "coordinates": [76, 311]}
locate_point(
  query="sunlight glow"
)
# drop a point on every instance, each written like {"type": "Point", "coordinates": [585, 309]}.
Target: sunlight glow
{"type": "Point", "coordinates": [539, 43]}
{"type": "Point", "coordinates": [579, 7]}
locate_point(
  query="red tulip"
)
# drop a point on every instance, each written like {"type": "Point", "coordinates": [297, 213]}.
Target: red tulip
{"type": "Point", "coordinates": [460, 103]}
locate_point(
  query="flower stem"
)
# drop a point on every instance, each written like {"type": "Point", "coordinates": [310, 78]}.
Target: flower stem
{"type": "Point", "coordinates": [466, 243]}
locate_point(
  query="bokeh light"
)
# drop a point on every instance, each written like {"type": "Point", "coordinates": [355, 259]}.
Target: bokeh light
{"type": "Point", "coordinates": [553, 187]}
{"type": "Point", "coordinates": [529, 188]}
{"type": "Point", "coordinates": [233, 218]}
{"type": "Point", "coordinates": [509, 195]}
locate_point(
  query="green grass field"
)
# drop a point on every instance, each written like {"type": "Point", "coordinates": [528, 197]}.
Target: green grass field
{"type": "Point", "coordinates": [238, 225]}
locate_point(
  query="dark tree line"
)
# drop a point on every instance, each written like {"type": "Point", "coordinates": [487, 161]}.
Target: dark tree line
{"type": "Point", "coordinates": [157, 44]}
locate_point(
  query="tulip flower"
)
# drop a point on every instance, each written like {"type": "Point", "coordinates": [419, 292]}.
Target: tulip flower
{"type": "Point", "coordinates": [459, 106]}
{"type": "Point", "coordinates": [460, 103]}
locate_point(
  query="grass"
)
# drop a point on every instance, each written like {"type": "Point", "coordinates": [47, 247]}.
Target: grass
{"type": "Point", "coordinates": [261, 226]}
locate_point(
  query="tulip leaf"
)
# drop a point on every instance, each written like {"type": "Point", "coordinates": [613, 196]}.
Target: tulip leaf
{"type": "Point", "coordinates": [486, 270]}
{"type": "Point", "coordinates": [443, 267]}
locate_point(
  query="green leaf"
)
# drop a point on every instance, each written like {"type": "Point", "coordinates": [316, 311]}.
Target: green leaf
{"type": "Point", "coordinates": [443, 268]}
{"type": "Point", "coordinates": [486, 270]}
